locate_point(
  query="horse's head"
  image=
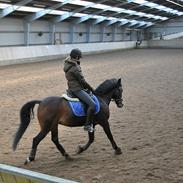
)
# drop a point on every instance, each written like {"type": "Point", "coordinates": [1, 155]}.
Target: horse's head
{"type": "Point", "coordinates": [117, 94]}
{"type": "Point", "coordinates": [112, 88]}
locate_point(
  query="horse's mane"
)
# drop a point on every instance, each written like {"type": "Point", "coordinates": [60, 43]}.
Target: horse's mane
{"type": "Point", "coordinates": [106, 86]}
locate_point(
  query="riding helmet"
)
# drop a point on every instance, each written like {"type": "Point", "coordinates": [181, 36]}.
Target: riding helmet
{"type": "Point", "coordinates": [75, 53]}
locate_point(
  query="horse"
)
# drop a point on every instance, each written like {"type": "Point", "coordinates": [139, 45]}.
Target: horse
{"type": "Point", "coordinates": [56, 110]}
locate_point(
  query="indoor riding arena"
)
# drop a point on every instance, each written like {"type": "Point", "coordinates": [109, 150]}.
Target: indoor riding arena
{"type": "Point", "coordinates": [139, 41]}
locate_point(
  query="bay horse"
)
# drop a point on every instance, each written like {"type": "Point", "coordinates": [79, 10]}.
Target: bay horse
{"type": "Point", "coordinates": [56, 110]}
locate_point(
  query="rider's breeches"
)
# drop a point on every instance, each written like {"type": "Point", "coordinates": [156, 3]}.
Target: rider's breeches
{"type": "Point", "coordinates": [85, 98]}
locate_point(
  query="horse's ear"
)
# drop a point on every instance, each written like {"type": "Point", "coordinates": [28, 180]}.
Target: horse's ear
{"type": "Point", "coordinates": [119, 81]}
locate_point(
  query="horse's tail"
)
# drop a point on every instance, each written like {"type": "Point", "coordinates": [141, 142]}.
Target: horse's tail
{"type": "Point", "coordinates": [26, 113]}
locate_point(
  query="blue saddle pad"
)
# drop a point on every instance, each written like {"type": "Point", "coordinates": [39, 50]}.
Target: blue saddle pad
{"type": "Point", "coordinates": [78, 107]}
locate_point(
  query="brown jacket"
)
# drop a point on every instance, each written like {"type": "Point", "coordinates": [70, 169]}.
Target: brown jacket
{"type": "Point", "coordinates": [74, 76]}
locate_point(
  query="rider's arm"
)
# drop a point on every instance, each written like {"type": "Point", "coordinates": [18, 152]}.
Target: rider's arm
{"type": "Point", "coordinates": [79, 76]}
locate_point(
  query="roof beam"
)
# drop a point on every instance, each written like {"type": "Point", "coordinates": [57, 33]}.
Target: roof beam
{"type": "Point", "coordinates": [112, 22]}
{"type": "Point", "coordinates": [140, 25]}
{"type": "Point", "coordinates": [122, 23]}
{"type": "Point", "coordinates": [132, 24]}
{"type": "Point", "coordinates": [35, 16]}
{"type": "Point", "coordinates": [13, 8]}
{"type": "Point", "coordinates": [99, 20]}
{"type": "Point", "coordinates": [69, 14]}
{"type": "Point", "coordinates": [85, 18]}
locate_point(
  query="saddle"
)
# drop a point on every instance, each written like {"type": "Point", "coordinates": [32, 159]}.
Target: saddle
{"type": "Point", "coordinates": [78, 107]}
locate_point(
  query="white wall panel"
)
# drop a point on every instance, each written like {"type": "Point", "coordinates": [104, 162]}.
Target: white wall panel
{"type": "Point", "coordinates": [11, 24]}
{"type": "Point", "coordinates": [172, 26]}
{"type": "Point", "coordinates": [118, 37]}
{"type": "Point", "coordinates": [13, 55]}
{"type": "Point", "coordinates": [39, 26]}
{"type": "Point", "coordinates": [176, 43]}
{"type": "Point", "coordinates": [35, 39]}
{"type": "Point", "coordinates": [62, 27]}
{"type": "Point", "coordinates": [12, 32]}
{"type": "Point", "coordinates": [11, 38]}
{"type": "Point", "coordinates": [94, 37]}
{"type": "Point", "coordinates": [79, 39]}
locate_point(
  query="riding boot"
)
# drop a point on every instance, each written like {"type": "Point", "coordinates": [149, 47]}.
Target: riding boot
{"type": "Point", "coordinates": [89, 121]}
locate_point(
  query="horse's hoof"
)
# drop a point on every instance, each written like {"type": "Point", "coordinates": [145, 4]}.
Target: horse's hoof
{"type": "Point", "coordinates": [118, 151]}
{"type": "Point", "coordinates": [79, 150]}
{"type": "Point", "coordinates": [27, 161]}
{"type": "Point", "coordinates": [68, 157]}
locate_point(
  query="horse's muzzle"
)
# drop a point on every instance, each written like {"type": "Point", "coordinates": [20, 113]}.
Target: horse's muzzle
{"type": "Point", "coordinates": [119, 102]}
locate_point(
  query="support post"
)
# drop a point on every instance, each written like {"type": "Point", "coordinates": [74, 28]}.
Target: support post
{"type": "Point", "coordinates": [113, 33]}
{"type": "Point", "coordinates": [52, 33]}
{"type": "Point", "coordinates": [71, 33]}
{"type": "Point", "coordinates": [102, 30]}
{"type": "Point", "coordinates": [26, 33]}
{"type": "Point", "coordinates": [88, 32]}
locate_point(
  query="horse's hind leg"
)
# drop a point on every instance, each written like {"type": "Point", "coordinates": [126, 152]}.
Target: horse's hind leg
{"type": "Point", "coordinates": [85, 147]}
{"type": "Point", "coordinates": [36, 140]}
{"type": "Point", "coordinates": [54, 138]}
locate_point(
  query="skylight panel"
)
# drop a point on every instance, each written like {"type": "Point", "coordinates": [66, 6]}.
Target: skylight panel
{"type": "Point", "coordinates": [149, 15]}
{"type": "Point", "coordinates": [76, 2]}
{"type": "Point", "coordinates": [57, 12]}
{"type": "Point", "coordinates": [152, 5]}
{"type": "Point", "coordinates": [160, 7]}
{"type": "Point", "coordinates": [134, 21]}
{"type": "Point", "coordinates": [174, 11]}
{"type": "Point", "coordinates": [101, 6]}
{"type": "Point", "coordinates": [29, 9]}
{"type": "Point", "coordinates": [115, 9]}
{"type": "Point", "coordinates": [79, 14]}
{"type": "Point", "coordinates": [130, 12]}
{"type": "Point", "coordinates": [140, 14]}
{"type": "Point", "coordinates": [58, 0]}
{"type": "Point", "coordinates": [124, 21]}
{"type": "Point", "coordinates": [180, 13]}
{"type": "Point", "coordinates": [164, 18]}
{"type": "Point", "coordinates": [80, 2]}
{"type": "Point", "coordinates": [157, 17]}
{"type": "Point", "coordinates": [97, 16]}
{"type": "Point", "coordinates": [112, 18]}
{"type": "Point", "coordinates": [3, 5]}
{"type": "Point", "coordinates": [138, 1]}
{"type": "Point", "coordinates": [149, 24]}
{"type": "Point", "coordinates": [167, 9]}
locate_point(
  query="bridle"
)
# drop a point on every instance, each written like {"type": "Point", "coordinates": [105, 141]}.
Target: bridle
{"type": "Point", "coordinates": [117, 100]}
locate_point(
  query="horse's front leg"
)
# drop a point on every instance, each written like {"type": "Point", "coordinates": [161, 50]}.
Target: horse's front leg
{"type": "Point", "coordinates": [85, 147]}
{"type": "Point", "coordinates": [107, 131]}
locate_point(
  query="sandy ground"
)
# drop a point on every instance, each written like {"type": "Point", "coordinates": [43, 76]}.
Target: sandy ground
{"type": "Point", "coordinates": [149, 128]}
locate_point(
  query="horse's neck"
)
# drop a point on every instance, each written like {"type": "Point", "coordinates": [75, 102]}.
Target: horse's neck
{"type": "Point", "coordinates": [107, 97]}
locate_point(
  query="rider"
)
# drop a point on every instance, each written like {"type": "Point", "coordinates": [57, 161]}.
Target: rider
{"type": "Point", "coordinates": [77, 85]}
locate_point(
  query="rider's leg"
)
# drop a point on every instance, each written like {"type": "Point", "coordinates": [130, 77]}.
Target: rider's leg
{"type": "Point", "coordinates": [85, 97]}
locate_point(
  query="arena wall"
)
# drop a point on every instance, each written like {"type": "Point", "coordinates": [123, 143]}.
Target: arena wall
{"type": "Point", "coordinates": [165, 28]}
{"type": "Point", "coordinates": [22, 54]}
{"type": "Point", "coordinates": [175, 43]}
{"type": "Point", "coordinates": [12, 33]}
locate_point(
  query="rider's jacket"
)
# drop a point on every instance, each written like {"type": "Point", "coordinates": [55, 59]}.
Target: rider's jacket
{"type": "Point", "coordinates": [74, 76]}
